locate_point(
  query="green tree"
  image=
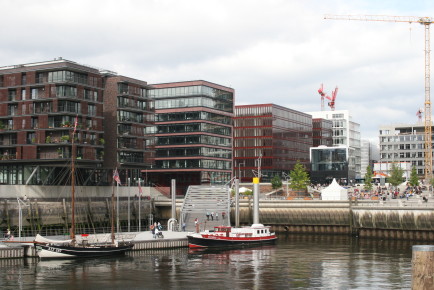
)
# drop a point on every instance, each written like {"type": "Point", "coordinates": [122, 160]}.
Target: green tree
{"type": "Point", "coordinates": [396, 175]}
{"type": "Point", "coordinates": [368, 178]}
{"type": "Point", "coordinates": [414, 179]}
{"type": "Point", "coordinates": [276, 182]}
{"type": "Point", "coordinates": [299, 178]}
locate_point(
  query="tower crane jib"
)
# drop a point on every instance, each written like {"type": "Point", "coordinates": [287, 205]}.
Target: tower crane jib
{"type": "Point", "coordinates": [426, 21]}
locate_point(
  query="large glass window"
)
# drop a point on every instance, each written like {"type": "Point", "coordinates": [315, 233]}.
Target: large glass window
{"type": "Point", "coordinates": [68, 106]}
{"type": "Point", "coordinates": [125, 116]}
{"type": "Point", "coordinates": [329, 159]}
{"type": "Point", "coordinates": [67, 76]}
{"type": "Point", "coordinates": [181, 116]}
{"type": "Point", "coordinates": [184, 97]}
{"type": "Point", "coordinates": [65, 91]}
{"type": "Point", "coordinates": [42, 107]}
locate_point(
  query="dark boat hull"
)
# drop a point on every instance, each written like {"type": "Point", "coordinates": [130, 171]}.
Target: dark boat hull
{"type": "Point", "coordinates": [197, 242]}
{"type": "Point", "coordinates": [66, 251]}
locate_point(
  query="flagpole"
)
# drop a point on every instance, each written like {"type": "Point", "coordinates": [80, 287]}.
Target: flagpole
{"type": "Point", "coordinates": [129, 193]}
{"type": "Point", "coordinates": [140, 218]}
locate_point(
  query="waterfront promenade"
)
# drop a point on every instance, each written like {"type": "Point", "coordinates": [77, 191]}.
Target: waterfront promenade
{"type": "Point", "coordinates": [141, 240]}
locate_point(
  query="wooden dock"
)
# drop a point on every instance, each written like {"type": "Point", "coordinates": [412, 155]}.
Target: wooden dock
{"type": "Point", "coordinates": [170, 241]}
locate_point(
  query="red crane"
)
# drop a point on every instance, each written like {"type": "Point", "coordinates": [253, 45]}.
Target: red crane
{"type": "Point", "coordinates": [321, 92]}
{"type": "Point", "coordinates": [332, 99]}
{"type": "Point", "coordinates": [419, 114]}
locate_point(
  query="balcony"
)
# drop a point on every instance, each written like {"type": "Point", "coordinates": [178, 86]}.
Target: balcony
{"type": "Point", "coordinates": [131, 120]}
{"type": "Point", "coordinates": [38, 94]}
{"type": "Point", "coordinates": [41, 80]}
{"type": "Point", "coordinates": [37, 110]}
{"type": "Point", "coordinates": [128, 145]}
{"type": "Point", "coordinates": [7, 156]}
{"type": "Point", "coordinates": [8, 142]}
{"type": "Point", "coordinates": [68, 109]}
{"type": "Point", "coordinates": [131, 160]}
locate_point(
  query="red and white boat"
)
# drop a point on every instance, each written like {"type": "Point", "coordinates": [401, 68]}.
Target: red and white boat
{"type": "Point", "coordinates": [225, 236]}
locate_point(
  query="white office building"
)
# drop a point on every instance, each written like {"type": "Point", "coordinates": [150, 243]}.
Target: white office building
{"type": "Point", "coordinates": [346, 132]}
{"type": "Point", "coordinates": [403, 143]}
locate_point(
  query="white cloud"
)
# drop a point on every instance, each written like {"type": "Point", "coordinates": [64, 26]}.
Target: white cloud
{"type": "Point", "coordinates": [276, 51]}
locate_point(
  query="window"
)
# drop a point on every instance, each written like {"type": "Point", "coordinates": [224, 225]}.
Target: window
{"type": "Point", "coordinates": [67, 76]}
{"type": "Point", "coordinates": [66, 91]}
{"type": "Point", "coordinates": [12, 95]}
{"type": "Point", "coordinates": [122, 88]}
{"type": "Point", "coordinates": [91, 110]}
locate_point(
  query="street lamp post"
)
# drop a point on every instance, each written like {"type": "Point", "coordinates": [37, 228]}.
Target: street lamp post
{"type": "Point", "coordinates": [239, 169]}
{"type": "Point", "coordinates": [286, 176]}
{"type": "Point", "coordinates": [20, 216]}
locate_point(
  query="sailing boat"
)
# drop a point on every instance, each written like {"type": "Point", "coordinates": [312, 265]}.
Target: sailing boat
{"type": "Point", "coordinates": [79, 248]}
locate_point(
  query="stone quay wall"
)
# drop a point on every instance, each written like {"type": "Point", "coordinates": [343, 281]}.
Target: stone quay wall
{"type": "Point", "coordinates": [391, 219]}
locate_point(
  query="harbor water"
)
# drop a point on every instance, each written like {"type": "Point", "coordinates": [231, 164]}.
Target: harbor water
{"type": "Point", "coordinates": [295, 262]}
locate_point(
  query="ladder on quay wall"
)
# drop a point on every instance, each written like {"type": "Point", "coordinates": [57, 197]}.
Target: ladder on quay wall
{"type": "Point", "coordinates": [201, 199]}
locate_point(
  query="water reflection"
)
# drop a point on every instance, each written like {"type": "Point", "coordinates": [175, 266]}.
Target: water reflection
{"type": "Point", "coordinates": [295, 262]}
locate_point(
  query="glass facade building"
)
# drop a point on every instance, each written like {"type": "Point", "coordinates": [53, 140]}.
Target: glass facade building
{"type": "Point", "coordinates": [330, 162]}
{"type": "Point", "coordinates": [193, 130]}
{"type": "Point", "coordinates": [346, 132]}
{"type": "Point", "coordinates": [322, 132]}
{"type": "Point", "coordinates": [270, 139]}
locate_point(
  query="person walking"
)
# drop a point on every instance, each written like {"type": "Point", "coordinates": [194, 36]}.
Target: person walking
{"type": "Point", "coordinates": [153, 231]}
{"type": "Point", "coordinates": [212, 215]}
{"type": "Point", "coordinates": [216, 216]}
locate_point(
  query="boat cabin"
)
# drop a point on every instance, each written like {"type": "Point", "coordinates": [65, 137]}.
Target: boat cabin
{"type": "Point", "coordinates": [254, 231]}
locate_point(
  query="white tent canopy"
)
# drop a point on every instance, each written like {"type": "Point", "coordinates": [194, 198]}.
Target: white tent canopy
{"type": "Point", "coordinates": [244, 189]}
{"type": "Point", "coordinates": [334, 192]}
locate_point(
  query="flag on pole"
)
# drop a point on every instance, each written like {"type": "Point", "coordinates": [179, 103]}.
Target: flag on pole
{"type": "Point", "coordinates": [140, 190]}
{"type": "Point", "coordinates": [116, 176]}
{"type": "Point", "coordinates": [75, 123]}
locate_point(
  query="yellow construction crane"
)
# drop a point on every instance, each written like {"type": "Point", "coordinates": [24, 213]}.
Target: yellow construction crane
{"type": "Point", "coordinates": [426, 22]}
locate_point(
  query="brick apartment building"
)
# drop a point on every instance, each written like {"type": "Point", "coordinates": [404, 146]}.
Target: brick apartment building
{"type": "Point", "coordinates": [39, 103]}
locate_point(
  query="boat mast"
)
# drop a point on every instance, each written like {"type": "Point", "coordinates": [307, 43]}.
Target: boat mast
{"type": "Point", "coordinates": [113, 213]}
{"type": "Point", "coordinates": [73, 148]}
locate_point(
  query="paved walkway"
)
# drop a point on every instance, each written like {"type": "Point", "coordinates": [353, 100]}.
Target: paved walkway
{"type": "Point", "coordinates": [147, 236]}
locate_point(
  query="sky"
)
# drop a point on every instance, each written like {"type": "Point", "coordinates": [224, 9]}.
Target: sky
{"type": "Point", "coordinates": [269, 51]}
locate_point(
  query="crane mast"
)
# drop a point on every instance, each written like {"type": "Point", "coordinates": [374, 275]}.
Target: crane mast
{"type": "Point", "coordinates": [426, 21]}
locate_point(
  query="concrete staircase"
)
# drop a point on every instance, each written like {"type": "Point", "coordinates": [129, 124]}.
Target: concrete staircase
{"type": "Point", "coordinates": [202, 199]}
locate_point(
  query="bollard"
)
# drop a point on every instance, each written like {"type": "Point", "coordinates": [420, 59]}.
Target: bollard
{"type": "Point", "coordinates": [423, 267]}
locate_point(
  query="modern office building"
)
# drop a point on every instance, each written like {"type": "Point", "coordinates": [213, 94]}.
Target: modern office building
{"type": "Point", "coordinates": [269, 139]}
{"type": "Point", "coordinates": [328, 163]}
{"type": "Point", "coordinates": [44, 105]}
{"type": "Point", "coordinates": [322, 132]}
{"type": "Point", "coordinates": [346, 132]}
{"type": "Point", "coordinates": [403, 143]}
{"type": "Point", "coordinates": [383, 170]}
{"type": "Point", "coordinates": [194, 134]}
